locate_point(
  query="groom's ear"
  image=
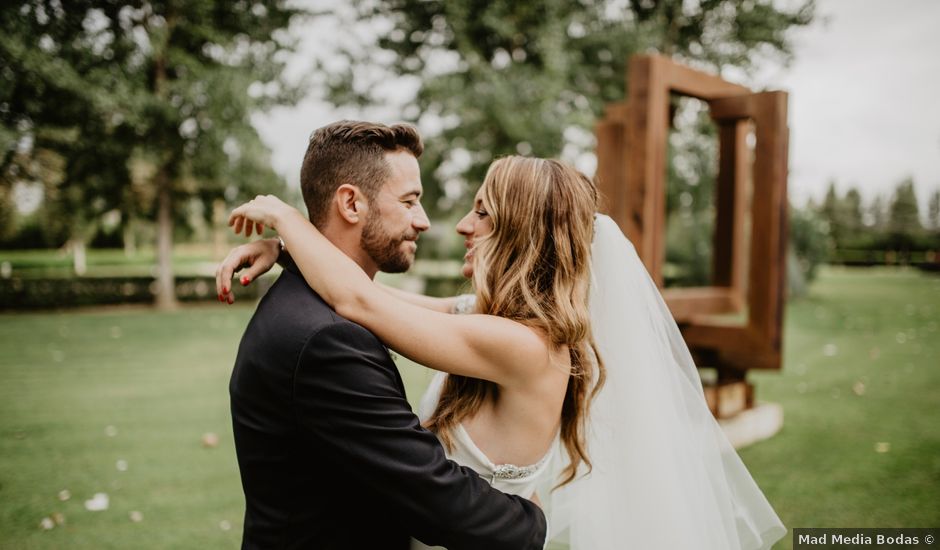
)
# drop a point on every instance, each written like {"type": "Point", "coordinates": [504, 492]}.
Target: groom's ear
{"type": "Point", "coordinates": [350, 203]}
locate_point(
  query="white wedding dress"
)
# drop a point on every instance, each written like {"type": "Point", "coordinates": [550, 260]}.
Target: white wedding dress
{"type": "Point", "coordinates": [508, 478]}
{"type": "Point", "coordinates": [664, 474]}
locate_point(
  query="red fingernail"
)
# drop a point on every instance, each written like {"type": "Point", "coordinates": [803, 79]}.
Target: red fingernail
{"type": "Point", "coordinates": [220, 297]}
{"type": "Point", "coordinates": [245, 280]}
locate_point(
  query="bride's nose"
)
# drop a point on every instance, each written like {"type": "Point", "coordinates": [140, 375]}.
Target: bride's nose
{"type": "Point", "coordinates": [465, 225]}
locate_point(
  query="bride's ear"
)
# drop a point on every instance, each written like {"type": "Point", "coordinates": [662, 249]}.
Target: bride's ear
{"type": "Point", "coordinates": [350, 203]}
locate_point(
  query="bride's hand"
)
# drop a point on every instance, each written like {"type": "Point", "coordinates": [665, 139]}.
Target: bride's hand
{"type": "Point", "coordinates": [256, 257]}
{"type": "Point", "coordinates": [263, 210]}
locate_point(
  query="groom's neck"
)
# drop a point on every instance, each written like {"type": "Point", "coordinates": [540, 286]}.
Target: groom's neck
{"type": "Point", "coordinates": [347, 240]}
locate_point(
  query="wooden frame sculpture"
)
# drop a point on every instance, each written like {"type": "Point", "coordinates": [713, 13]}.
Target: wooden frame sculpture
{"type": "Point", "coordinates": [749, 280]}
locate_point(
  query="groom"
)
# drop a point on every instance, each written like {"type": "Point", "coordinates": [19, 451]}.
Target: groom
{"type": "Point", "coordinates": [331, 455]}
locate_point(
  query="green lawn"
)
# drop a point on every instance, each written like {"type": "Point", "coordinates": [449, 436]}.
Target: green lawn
{"type": "Point", "coordinates": [861, 373]}
{"type": "Point", "coordinates": [188, 259]}
{"type": "Point", "coordinates": [160, 379]}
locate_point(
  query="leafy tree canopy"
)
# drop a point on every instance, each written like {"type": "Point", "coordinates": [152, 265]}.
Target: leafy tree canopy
{"type": "Point", "coordinates": [500, 77]}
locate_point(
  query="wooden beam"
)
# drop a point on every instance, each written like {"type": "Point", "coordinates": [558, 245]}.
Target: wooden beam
{"type": "Point", "coordinates": [688, 303]}
{"type": "Point", "coordinates": [691, 82]}
{"type": "Point", "coordinates": [729, 258]}
{"type": "Point", "coordinates": [732, 108]}
{"type": "Point", "coordinates": [769, 219]}
{"type": "Point", "coordinates": [611, 174]}
{"type": "Point", "coordinates": [634, 185]}
{"type": "Point", "coordinates": [646, 172]}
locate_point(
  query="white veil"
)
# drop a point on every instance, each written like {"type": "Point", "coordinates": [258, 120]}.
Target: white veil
{"type": "Point", "coordinates": [664, 474]}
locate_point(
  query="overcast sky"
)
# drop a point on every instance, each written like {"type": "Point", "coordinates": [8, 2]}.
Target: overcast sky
{"type": "Point", "coordinates": [864, 91]}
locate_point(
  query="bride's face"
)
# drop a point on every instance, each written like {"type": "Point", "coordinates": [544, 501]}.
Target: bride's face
{"type": "Point", "coordinates": [476, 223]}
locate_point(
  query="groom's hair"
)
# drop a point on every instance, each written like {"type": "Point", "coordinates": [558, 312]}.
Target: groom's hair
{"type": "Point", "coordinates": [351, 152]}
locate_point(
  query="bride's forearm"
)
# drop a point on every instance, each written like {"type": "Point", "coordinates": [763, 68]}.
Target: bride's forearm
{"type": "Point", "coordinates": [333, 274]}
{"type": "Point", "coordinates": [443, 305]}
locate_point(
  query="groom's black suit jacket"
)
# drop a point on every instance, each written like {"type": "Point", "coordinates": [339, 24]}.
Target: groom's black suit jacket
{"type": "Point", "coordinates": [330, 453]}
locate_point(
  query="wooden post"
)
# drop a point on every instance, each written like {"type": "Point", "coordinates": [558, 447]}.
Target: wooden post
{"type": "Point", "coordinates": [749, 266]}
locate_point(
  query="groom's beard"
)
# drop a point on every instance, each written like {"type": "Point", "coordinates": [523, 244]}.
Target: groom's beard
{"type": "Point", "coordinates": [384, 249]}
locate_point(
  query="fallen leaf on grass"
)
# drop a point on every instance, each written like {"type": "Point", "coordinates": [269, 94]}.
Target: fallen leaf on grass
{"type": "Point", "coordinates": [210, 440]}
{"type": "Point", "coordinates": [97, 503]}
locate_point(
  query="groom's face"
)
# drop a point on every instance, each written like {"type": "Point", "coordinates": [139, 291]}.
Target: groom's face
{"type": "Point", "coordinates": [396, 216]}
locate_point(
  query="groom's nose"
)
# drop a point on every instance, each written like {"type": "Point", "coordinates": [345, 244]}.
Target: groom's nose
{"type": "Point", "coordinates": [420, 221]}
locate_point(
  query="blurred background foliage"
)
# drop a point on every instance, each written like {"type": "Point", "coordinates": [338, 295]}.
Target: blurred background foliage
{"type": "Point", "coordinates": [494, 78]}
{"type": "Point", "coordinates": [120, 113]}
{"type": "Point", "coordinates": [128, 124]}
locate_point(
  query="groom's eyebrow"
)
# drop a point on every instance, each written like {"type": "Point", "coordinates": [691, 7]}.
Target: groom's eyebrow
{"type": "Point", "coordinates": [415, 192]}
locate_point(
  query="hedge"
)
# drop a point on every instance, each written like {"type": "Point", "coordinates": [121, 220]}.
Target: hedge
{"type": "Point", "coordinates": [42, 293]}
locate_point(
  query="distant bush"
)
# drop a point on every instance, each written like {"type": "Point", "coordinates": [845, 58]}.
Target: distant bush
{"type": "Point", "coordinates": [45, 293]}
{"type": "Point", "coordinates": [809, 241]}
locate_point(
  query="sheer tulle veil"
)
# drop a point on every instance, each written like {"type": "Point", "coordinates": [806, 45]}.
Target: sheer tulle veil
{"type": "Point", "coordinates": [664, 474]}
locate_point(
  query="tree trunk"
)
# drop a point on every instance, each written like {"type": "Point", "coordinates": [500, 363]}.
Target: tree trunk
{"type": "Point", "coordinates": [79, 262]}
{"type": "Point", "coordinates": [166, 286]}
{"type": "Point", "coordinates": [130, 238]}
{"type": "Point", "coordinates": [219, 229]}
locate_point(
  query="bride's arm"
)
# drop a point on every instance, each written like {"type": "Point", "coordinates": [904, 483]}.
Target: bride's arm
{"type": "Point", "coordinates": [442, 305]}
{"type": "Point", "coordinates": [258, 257]}
{"type": "Point", "coordinates": [479, 346]}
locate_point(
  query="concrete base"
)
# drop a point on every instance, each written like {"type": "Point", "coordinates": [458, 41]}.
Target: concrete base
{"type": "Point", "coordinates": [752, 425]}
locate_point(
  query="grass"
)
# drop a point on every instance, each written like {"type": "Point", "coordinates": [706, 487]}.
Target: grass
{"type": "Point", "coordinates": [160, 380]}
{"type": "Point", "coordinates": [188, 259]}
{"type": "Point", "coordinates": [861, 374]}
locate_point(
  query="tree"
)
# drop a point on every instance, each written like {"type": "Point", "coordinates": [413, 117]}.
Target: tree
{"type": "Point", "coordinates": [933, 211]}
{"type": "Point", "coordinates": [830, 211]}
{"type": "Point", "coordinates": [166, 86]}
{"type": "Point", "coordinates": [808, 235]}
{"type": "Point", "coordinates": [905, 215]}
{"type": "Point", "coordinates": [844, 217]}
{"type": "Point", "coordinates": [878, 214]}
{"type": "Point", "coordinates": [192, 98]}
{"type": "Point", "coordinates": [54, 102]}
{"type": "Point", "coordinates": [501, 77]}
{"type": "Point", "coordinates": [852, 213]}
{"type": "Point", "coordinates": [904, 230]}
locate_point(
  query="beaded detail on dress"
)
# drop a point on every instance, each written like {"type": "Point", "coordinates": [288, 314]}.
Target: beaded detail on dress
{"type": "Point", "coordinates": [511, 471]}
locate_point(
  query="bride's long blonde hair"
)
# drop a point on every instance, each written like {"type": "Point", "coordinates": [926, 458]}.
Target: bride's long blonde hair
{"type": "Point", "coordinates": [534, 268]}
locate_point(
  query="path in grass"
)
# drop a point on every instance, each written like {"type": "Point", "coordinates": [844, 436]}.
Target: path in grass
{"type": "Point", "coordinates": [161, 381]}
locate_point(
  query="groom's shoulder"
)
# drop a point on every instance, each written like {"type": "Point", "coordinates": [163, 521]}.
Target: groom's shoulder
{"type": "Point", "coordinates": [296, 308]}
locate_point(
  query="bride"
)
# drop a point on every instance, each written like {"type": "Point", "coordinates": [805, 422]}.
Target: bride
{"type": "Point", "coordinates": [567, 382]}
